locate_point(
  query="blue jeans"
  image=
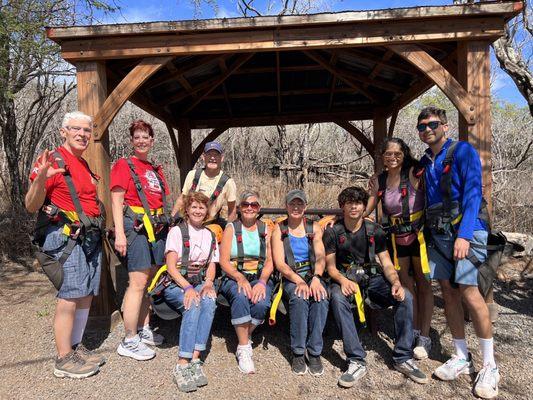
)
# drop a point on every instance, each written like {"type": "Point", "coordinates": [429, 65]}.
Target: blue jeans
{"type": "Point", "coordinates": [307, 321]}
{"type": "Point", "coordinates": [242, 309]}
{"type": "Point", "coordinates": [195, 322]}
{"type": "Point", "coordinates": [379, 293]}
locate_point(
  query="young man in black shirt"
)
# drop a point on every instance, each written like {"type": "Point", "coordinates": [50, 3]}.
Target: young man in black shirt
{"type": "Point", "coordinates": [350, 245]}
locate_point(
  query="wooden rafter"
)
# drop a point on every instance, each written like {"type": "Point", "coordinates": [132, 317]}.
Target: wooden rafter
{"type": "Point", "coordinates": [278, 81]}
{"type": "Point", "coordinates": [442, 78]}
{"type": "Point", "coordinates": [209, 138]}
{"type": "Point", "coordinates": [421, 86]}
{"type": "Point", "coordinates": [392, 122]}
{"type": "Point", "coordinates": [332, 61]}
{"type": "Point", "coordinates": [379, 65]}
{"type": "Point", "coordinates": [274, 93]}
{"type": "Point", "coordinates": [129, 85]}
{"type": "Point", "coordinates": [402, 67]}
{"type": "Point", "coordinates": [315, 115]}
{"type": "Point", "coordinates": [176, 72]}
{"type": "Point", "coordinates": [224, 68]}
{"type": "Point", "coordinates": [341, 76]}
{"type": "Point", "coordinates": [286, 68]}
{"type": "Point", "coordinates": [356, 133]}
{"type": "Point", "coordinates": [240, 61]}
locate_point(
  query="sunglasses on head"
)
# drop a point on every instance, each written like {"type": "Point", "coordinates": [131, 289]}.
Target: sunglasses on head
{"type": "Point", "coordinates": [255, 205]}
{"type": "Point", "coordinates": [432, 125]}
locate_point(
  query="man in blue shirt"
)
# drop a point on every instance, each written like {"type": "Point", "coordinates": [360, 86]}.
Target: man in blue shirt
{"type": "Point", "coordinates": [451, 243]}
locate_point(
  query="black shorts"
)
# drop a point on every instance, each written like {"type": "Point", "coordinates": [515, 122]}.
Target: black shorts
{"type": "Point", "coordinates": [412, 250]}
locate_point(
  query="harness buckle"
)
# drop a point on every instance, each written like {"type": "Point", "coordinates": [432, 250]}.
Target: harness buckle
{"type": "Point", "coordinates": [138, 225]}
{"type": "Point", "coordinates": [75, 229]}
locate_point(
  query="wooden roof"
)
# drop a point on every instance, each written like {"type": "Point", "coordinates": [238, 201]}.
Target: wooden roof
{"type": "Point", "coordinates": [289, 69]}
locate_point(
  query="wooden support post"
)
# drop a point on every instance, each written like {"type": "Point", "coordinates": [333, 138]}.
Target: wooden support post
{"type": "Point", "coordinates": [184, 149]}
{"type": "Point", "coordinates": [174, 142]}
{"type": "Point", "coordinates": [92, 92]}
{"type": "Point", "coordinates": [473, 73]}
{"type": "Point", "coordinates": [380, 133]}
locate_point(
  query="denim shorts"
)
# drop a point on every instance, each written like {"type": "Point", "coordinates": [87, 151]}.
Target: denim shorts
{"type": "Point", "coordinates": [82, 268]}
{"type": "Point", "coordinates": [466, 273]}
{"type": "Point", "coordinates": [141, 255]}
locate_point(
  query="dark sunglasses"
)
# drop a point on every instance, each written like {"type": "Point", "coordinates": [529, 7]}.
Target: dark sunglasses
{"type": "Point", "coordinates": [432, 125]}
{"type": "Point", "coordinates": [255, 205]}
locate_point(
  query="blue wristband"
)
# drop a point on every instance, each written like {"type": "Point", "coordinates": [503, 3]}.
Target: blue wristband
{"type": "Point", "coordinates": [188, 288]}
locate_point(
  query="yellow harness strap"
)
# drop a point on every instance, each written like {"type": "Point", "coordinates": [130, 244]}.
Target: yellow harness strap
{"type": "Point", "coordinates": [421, 241]}
{"type": "Point", "coordinates": [360, 304]}
{"type": "Point", "coordinates": [72, 217]}
{"type": "Point", "coordinates": [146, 220]}
{"type": "Point", "coordinates": [156, 277]}
{"type": "Point", "coordinates": [275, 304]}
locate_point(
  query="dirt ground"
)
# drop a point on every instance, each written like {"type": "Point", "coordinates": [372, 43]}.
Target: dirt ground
{"type": "Point", "coordinates": [27, 353]}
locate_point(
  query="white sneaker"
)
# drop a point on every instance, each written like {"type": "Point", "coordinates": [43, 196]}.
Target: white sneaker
{"type": "Point", "coordinates": [486, 384]}
{"type": "Point", "coordinates": [244, 357]}
{"type": "Point", "coordinates": [454, 367]}
{"type": "Point", "coordinates": [150, 337]}
{"type": "Point", "coordinates": [135, 349]}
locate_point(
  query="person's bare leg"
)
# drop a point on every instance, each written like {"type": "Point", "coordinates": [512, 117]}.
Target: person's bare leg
{"type": "Point", "coordinates": [63, 324]}
{"type": "Point", "coordinates": [478, 309]}
{"type": "Point", "coordinates": [425, 298]}
{"type": "Point", "coordinates": [243, 332]}
{"type": "Point", "coordinates": [133, 301]}
{"type": "Point", "coordinates": [453, 309]}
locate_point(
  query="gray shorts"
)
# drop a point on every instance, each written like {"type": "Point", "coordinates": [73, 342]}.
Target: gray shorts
{"type": "Point", "coordinates": [82, 268]}
{"type": "Point", "coordinates": [466, 273]}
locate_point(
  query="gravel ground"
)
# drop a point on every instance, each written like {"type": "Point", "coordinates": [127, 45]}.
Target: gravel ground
{"type": "Point", "coordinates": [27, 348]}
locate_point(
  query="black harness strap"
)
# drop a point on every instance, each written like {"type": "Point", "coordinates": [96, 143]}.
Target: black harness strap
{"type": "Point", "coordinates": [446, 183]}
{"type": "Point", "coordinates": [309, 233]}
{"type": "Point", "coordinates": [84, 219]}
{"type": "Point", "coordinates": [186, 248]}
{"type": "Point", "coordinates": [404, 189]}
{"type": "Point", "coordinates": [219, 187]}
{"type": "Point", "coordinates": [261, 230]}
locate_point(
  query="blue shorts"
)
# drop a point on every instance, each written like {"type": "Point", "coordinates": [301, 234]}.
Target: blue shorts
{"type": "Point", "coordinates": [466, 273]}
{"type": "Point", "coordinates": [82, 268]}
{"type": "Point", "coordinates": [140, 254]}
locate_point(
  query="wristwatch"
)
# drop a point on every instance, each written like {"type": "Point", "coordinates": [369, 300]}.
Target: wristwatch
{"type": "Point", "coordinates": [317, 276]}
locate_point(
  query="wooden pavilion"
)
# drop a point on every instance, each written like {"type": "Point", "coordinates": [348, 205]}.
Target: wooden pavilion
{"type": "Point", "coordinates": [275, 70]}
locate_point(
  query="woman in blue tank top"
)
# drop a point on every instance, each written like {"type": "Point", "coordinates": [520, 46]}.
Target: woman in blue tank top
{"type": "Point", "coordinates": [299, 256]}
{"type": "Point", "coordinates": [246, 260]}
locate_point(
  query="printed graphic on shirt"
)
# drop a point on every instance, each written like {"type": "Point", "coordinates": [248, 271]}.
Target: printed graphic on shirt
{"type": "Point", "coordinates": [153, 182]}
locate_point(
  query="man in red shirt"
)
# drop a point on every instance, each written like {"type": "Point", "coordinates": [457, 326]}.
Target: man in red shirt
{"type": "Point", "coordinates": [63, 189]}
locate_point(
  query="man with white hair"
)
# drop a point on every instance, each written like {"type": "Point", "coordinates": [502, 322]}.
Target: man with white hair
{"type": "Point", "coordinates": [68, 235]}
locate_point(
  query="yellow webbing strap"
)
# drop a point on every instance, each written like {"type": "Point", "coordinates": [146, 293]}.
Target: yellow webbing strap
{"type": "Point", "coordinates": [360, 304]}
{"type": "Point", "coordinates": [146, 220]}
{"type": "Point", "coordinates": [156, 277]}
{"type": "Point", "coordinates": [275, 304]}
{"type": "Point", "coordinates": [72, 216]}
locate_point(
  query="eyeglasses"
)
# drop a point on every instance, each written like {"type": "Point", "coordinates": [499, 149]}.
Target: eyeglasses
{"type": "Point", "coordinates": [78, 128]}
{"type": "Point", "coordinates": [393, 154]}
{"type": "Point", "coordinates": [432, 125]}
{"type": "Point", "coordinates": [254, 205]}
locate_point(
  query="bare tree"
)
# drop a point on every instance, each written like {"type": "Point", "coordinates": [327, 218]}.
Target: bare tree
{"type": "Point", "coordinates": [514, 51]}
{"type": "Point", "coordinates": [34, 80]}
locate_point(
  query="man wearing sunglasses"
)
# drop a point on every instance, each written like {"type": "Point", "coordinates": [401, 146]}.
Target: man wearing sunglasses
{"type": "Point", "coordinates": [215, 184]}
{"type": "Point", "coordinates": [455, 233]}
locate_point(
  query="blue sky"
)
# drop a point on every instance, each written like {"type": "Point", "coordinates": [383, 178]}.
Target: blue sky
{"type": "Point", "coordinates": [168, 10]}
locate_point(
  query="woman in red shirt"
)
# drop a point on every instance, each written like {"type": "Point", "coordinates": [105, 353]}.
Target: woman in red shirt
{"type": "Point", "coordinates": [137, 184]}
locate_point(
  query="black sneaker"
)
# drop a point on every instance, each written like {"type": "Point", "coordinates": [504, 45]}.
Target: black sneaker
{"type": "Point", "coordinates": [355, 371]}
{"type": "Point", "coordinates": [410, 370]}
{"type": "Point", "coordinates": [299, 367]}
{"type": "Point", "coordinates": [315, 365]}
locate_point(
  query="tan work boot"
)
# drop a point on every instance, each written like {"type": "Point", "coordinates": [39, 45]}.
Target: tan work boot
{"type": "Point", "coordinates": [74, 366]}
{"type": "Point", "coordinates": [89, 356]}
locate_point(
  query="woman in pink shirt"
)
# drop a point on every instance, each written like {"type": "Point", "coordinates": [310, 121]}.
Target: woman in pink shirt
{"type": "Point", "coordinates": [400, 189]}
{"type": "Point", "coordinates": [191, 254]}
